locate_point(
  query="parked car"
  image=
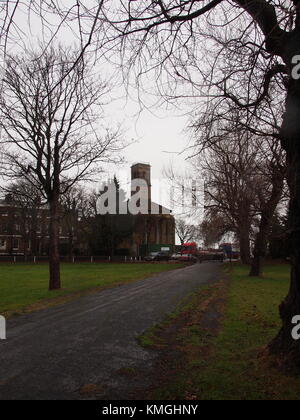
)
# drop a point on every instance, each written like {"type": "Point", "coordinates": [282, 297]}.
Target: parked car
{"type": "Point", "coordinates": [187, 258]}
{"type": "Point", "coordinates": [157, 256]}
{"type": "Point", "coordinates": [211, 256]}
{"type": "Point", "coordinates": [175, 256]}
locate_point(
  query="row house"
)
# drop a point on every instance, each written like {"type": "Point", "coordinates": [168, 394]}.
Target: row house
{"type": "Point", "coordinates": [25, 231]}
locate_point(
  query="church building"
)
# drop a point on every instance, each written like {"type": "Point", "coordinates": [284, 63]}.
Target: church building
{"type": "Point", "coordinates": [153, 230]}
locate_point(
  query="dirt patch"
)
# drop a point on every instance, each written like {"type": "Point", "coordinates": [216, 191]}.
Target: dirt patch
{"type": "Point", "coordinates": [186, 340]}
{"type": "Point", "coordinates": [89, 390]}
{"type": "Point", "coordinates": [129, 372]}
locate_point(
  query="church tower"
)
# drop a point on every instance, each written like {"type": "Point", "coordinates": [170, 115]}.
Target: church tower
{"type": "Point", "coordinates": [142, 171]}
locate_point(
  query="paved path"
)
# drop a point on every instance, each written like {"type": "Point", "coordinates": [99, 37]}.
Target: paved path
{"type": "Point", "coordinates": [65, 351]}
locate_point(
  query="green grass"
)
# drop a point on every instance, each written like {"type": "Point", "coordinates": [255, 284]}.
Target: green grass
{"type": "Point", "coordinates": [231, 363]}
{"type": "Point", "coordinates": [25, 287]}
{"type": "Point", "coordinates": [149, 338]}
{"type": "Point", "coordinates": [251, 320]}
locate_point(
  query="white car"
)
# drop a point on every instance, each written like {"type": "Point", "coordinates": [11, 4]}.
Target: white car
{"type": "Point", "coordinates": [175, 256]}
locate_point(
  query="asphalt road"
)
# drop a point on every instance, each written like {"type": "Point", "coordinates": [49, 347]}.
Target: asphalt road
{"type": "Point", "coordinates": [80, 350]}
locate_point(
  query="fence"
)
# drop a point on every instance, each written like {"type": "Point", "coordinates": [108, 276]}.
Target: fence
{"type": "Point", "coordinates": [75, 259]}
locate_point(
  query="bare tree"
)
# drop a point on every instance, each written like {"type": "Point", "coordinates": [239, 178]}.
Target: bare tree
{"type": "Point", "coordinates": [230, 169]}
{"type": "Point", "coordinates": [245, 174]}
{"type": "Point", "coordinates": [214, 227]}
{"type": "Point", "coordinates": [185, 232]}
{"type": "Point", "coordinates": [269, 191]}
{"type": "Point", "coordinates": [51, 135]}
{"type": "Point", "coordinates": [226, 111]}
{"type": "Point", "coordinates": [260, 157]}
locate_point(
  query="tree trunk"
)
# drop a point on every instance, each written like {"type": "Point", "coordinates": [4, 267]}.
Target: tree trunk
{"type": "Point", "coordinates": [283, 344]}
{"type": "Point", "coordinates": [259, 249]}
{"type": "Point", "coordinates": [268, 211]}
{"type": "Point", "coordinates": [256, 264]}
{"type": "Point", "coordinates": [54, 261]}
{"type": "Point", "coordinates": [244, 239]}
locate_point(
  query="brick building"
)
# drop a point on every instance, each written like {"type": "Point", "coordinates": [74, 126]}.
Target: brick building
{"type": "Point", "coordinates": [24, 231]}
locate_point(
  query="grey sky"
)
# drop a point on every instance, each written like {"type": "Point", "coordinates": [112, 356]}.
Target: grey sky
{"type": "Point", "coordinates": [158, 135]}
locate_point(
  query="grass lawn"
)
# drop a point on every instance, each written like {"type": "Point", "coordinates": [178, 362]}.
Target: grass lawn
{"type": "Point", "coordinates": [227, 362]}
{"type": "Point", "coordinates": [251, 320]}
{"type": "Point", "coordinates": [24, 287]}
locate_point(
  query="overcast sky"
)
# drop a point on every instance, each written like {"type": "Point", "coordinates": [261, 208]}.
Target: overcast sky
{"type": "Point", "coordinates": [160, 139]}
{"type": "Point", "coordinates": [158, 135]}
{"type": "Point", "coordinates": [156, 132]}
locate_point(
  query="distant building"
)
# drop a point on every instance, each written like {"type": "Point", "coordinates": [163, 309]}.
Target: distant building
{"type": "Point", "coordinates": [25, 231]}
{"type": "Point", "coordinates": [152, 228]}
